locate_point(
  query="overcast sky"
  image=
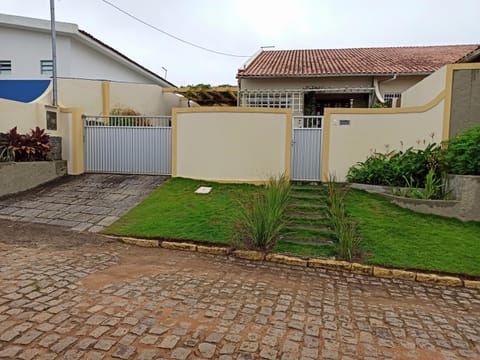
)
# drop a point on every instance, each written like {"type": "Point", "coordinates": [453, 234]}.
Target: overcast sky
{"type": "Point", "coordinates": [242, 27]}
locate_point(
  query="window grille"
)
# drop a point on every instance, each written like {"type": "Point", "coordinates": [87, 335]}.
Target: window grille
{"type": "Point", "coordinates": [5, 66]}
{"type": "Point", "coordinates": [273, 99]}
{"type": "Point", "coordinates": [46, 67]}
{"type": "Point", "coordinates": [390, 96]}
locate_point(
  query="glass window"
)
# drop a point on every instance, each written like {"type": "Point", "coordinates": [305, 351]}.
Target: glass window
{"type": "Point", "coordinates": [46, 67]}
{"type": "Point", "coordinates": [5, 66]}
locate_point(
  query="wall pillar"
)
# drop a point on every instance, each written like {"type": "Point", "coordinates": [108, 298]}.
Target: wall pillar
{"type": "Point", "coordinates": [105, 97]}
{"type": "Point", "coordinates": [73, 149]}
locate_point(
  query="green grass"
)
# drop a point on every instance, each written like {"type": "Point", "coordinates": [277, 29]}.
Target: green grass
{"type": "Point", "coordinates": [398, 237]}
{"type": "Point", "coordinates": [173, 211]}
{"type": "Point", "coordinates": [390, 236]}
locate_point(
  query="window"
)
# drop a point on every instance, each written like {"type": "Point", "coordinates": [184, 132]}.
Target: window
{"type": "Point", "coordinates": [273, 99]}
{"type": "Point", "coordinates": [46, 67]}
{"type": "Point", "coordinates": [5, 66]}
{"type": "Point", "coordinates": [390, 96]}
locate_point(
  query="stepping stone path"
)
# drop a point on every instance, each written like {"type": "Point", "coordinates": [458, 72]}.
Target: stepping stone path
{"type": "Point", "coordinates": [307, 217]}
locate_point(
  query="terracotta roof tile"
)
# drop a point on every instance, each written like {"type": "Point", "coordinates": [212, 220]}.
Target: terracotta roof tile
{"type": "Point", "coordinates": [404, 60]}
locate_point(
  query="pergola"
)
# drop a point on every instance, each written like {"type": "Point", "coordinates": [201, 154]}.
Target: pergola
{"type": "Point", "coordinates": [208, 96]}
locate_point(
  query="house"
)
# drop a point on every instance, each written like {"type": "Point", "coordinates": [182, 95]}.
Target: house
{"type": "Point", "coordinates": [308, 81]}
{"type": "Point", "coordinates": [26, 55]}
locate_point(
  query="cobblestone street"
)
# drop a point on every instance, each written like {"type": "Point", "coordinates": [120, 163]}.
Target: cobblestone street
{"type": "Point", "coordinates": [81, 296]}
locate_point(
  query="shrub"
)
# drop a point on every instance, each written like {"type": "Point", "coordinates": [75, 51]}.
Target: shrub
{"type": "Point", "coordinates": [123, 117]}
{"type": "Point", "coordinates": [261, 220]}
{"type": "Point", "coordinates": [394, 168]}
{"type": "Point", "coordinates": [463, 153]}
{"type": "Point", "coordinates": [26, 147]}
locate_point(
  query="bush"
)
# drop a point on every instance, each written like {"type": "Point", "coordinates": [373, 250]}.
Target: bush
{"type": "Point", "coordinates": [25, 147]}
{"type": "Point", "coordinates": [123, 117]}
{"type": "Point", "coordinates": [395, 168]}
{"type": "Point", "coordinates": [463, 153]}
{"type": "Point", "coordinates": [261, 220]}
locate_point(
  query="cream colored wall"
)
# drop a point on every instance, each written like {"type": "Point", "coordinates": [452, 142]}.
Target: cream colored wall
{"type": "Point", "coordinates": [13, 113]}
{"type": "Point", "coordinates": [231, 144]}
{"type": "Point", "coordinates": [26, 116]}
{"type": "Point", "coordinates": [370, 132]}
{"type": "Point", "coordinates": [146, 99]}
{"type": "Point", "coordinates": [424, 91]}
{"type": "Point", "coordinates": [301, 83]}
{"type": "Point", "coordinates": [399, 85]}
{"type": "Point", "coordinates": [85, 94]}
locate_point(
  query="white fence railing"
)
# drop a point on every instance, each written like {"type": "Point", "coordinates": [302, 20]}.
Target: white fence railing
{"type": "Point", "coordinates": [123, 120]}
{"type": "Point", "coordinates": [308, 122]}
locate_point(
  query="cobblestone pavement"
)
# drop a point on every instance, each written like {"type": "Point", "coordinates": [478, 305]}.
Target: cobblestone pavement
{"type": "Point", "coordinates": [81, 296]}
{"type": "Point", "coordinates": [84, 203]}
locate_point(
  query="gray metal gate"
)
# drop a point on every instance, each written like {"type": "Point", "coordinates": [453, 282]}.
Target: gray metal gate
{"type": "Point", "coordinates": [307, 148]}
{"type": "Point", "coordinates": [128, 144]}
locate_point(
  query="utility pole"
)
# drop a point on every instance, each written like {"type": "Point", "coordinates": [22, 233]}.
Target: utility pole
{"type": "Point", "coordinates": [54, 52]}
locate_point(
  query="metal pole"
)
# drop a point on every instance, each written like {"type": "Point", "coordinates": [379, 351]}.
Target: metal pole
{"type": "Point", "coordinates": [54, 51]}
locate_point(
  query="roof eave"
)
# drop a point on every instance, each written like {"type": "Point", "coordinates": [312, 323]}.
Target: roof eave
{"type": "Point", "coordinates": [90, 40]}
{"type": "Point", "coordinates": [419, 73]}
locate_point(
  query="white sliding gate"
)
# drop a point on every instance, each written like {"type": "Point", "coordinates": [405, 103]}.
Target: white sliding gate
{"type": "Point", "coordinates": [128, 144]}
{"type": "Point", "coordinates": [307, 148]}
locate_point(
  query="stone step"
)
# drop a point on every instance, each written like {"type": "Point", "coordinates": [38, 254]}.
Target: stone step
{"type": "Point", "coordinates": [318, 241]}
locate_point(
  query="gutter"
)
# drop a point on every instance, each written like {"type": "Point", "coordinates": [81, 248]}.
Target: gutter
{"type": "Point", "coordinates": [376, 84]}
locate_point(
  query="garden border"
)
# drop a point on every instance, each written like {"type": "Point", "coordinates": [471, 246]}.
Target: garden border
{"type": "Point", "coordinates": [317, 263]}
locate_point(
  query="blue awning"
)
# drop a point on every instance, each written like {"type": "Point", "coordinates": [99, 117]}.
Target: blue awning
{"type": "Point", "coordinates": [22, 90]}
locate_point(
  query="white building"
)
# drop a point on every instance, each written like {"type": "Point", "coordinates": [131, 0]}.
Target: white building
{"type": "Point", "coordinates": [25, 54]}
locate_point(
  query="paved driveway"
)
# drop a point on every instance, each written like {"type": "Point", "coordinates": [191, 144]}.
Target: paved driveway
{"type": "Point", "coordinates": [84, 203]}
{"type": "Point", "coordinates": [76, 295]}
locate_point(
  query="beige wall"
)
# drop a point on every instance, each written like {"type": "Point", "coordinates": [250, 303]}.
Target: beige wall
{"type": "Point", "coordinates": [93, 95]}
{"type": "Point", "coordinates": [400, 84]}
{"type": "Point", "coordinates": [231, 144]}
{"type": "Point", "coordinates": [426, 90]}
{"type": "Point", "coordinates": [372, 131]}
{"type": "Point", "coordinates": [26, 116]}
{"type": "Point", "coordinates": [85, 94]}
{"type": "Point", "coordinates": [146, 99]}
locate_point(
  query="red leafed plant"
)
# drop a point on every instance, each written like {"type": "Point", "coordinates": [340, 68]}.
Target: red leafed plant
{"type": "Point", "coordinates": [28, 147]}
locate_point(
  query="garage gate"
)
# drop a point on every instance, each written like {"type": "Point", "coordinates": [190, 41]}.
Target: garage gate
{"type": "Point", "coordinates": [128, 144]}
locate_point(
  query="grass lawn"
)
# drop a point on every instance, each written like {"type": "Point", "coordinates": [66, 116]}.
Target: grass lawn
{"type": "Point", "coordinates": [174, 211]}
{"type": "Point", "coordinates": [398, 237]}
{"type": "Point", "coordinates": [391, 236]}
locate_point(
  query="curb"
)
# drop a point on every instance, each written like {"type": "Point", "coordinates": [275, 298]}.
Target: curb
{"type": "Point", "coordinates": [315, 263]}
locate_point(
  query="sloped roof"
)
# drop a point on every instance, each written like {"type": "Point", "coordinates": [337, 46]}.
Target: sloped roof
{"type": "Point", "coordinates": [360, 61]}
{"type": "Point", "coordinates": [72, 30]}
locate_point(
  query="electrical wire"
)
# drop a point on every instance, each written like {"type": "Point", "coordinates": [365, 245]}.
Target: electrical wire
{"type": "Point", "coordinates": [171, 35]}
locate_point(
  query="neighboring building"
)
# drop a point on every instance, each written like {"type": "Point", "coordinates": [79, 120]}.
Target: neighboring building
{"type": "Point", "coordinates": [25, 54]}
{"type": "Point", "coordinates": [307, 81]}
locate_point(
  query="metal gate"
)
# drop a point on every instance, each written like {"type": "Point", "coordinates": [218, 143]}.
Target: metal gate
{"type": "Point", "coordinates": [307, 148]}
{"type": "Point", "coordinates": [128, 144]}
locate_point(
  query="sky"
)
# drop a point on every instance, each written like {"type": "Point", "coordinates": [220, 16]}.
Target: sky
{"type": "Point", "coordinates": [243, 27]}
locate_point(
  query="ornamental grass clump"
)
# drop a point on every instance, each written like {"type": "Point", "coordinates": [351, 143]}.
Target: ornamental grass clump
{"type": "Point", "coordinates": [344, 228]}
{"type": "Point", "coordinates": [262, 219]}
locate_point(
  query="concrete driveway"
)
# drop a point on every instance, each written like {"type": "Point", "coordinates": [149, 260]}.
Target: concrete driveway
{"type": "Point", "coordinates": [84, 203]}
{"type": "Point", "coordinates": [74, 295]}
